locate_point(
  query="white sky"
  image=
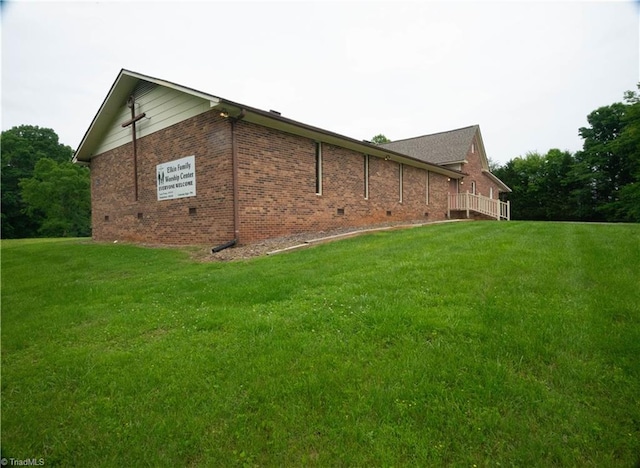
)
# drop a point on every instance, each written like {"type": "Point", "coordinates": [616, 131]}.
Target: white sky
{"type": "Point", "coordinates": [527, 72]}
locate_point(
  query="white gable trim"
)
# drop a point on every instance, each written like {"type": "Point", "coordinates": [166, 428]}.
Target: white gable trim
{"type": "Point", "coordinates": [102, 132]}
{"type": "Point", "coordinates": [105, 131]}
{"type": "Point", "coordinates": [163, 106]}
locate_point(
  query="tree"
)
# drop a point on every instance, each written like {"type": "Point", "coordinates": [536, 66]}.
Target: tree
{"type": "Point", "coordinates": [627, 208]}
{"type": "Point", "coordinates": [600, 167]}
{"type": "Point", "coordinates": [22, 147]}
{"type": "Point", "coordinates": [559, 186]}
{"type": "Point", "coordinates": [609, 164]}
{"type": "Point", "coordinates": [523, 175]}
{"type": "Point", "coordinates": [379, 139]}
{"type": "Point", "coordinates": [599, 183]}
{"type": "Point", "coordinates": [541, 184]}
{"type": "Point", "coordinates": [61, 193]}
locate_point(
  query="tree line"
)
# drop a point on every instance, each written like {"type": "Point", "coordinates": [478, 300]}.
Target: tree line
{"type": "Point", "coordinates": [43, 193]}
{"type": "Point", "coordinates": [601, 182]}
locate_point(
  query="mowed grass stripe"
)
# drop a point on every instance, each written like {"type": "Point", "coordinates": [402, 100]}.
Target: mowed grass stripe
{"type": "Point", "coordinates": [458, 344]}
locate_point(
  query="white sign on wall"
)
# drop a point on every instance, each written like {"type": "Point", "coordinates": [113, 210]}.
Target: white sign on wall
{"type": "Point", "coordinates": [176, 179]}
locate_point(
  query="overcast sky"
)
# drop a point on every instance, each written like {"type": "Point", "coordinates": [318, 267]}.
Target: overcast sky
{"type": "Point", "coordinates": [527, 72]}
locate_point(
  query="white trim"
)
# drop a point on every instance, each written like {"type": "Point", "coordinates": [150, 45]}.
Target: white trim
{"type": "Point", "coordinates": [400, 179]}
{"type": "Point", "coordinates": [427, 188]}
{"type": "Point", "coordinates": [366, 176]}
{"type": "Point", "coordinates": [318, 159]}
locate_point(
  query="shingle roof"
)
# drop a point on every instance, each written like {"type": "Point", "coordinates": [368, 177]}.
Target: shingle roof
{"type": "Point", "coordinates": [437, 148]}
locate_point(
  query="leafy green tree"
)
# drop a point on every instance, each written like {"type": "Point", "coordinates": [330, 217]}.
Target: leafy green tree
{"type": "Point", "coordinates": [61, 193]}
{"type": "Point", "coordinates": [379, 139]}
{"type": "Point", "coordinates": [558, 186]}
{"type": "Point", "coordinates": [22, 147]}
{"type": "Point", "coordinates": [599, 183]}
{"type": "Point", "coordinates": [609, 163]}
{"type": "Point", "coordinates": [541, 185]}
{"type": "Point", "coordinates": [600, 167]}
{"type": "Point", "coordinates": [627, 206]}
{"type": "Point", "coordinates": [524, 176]}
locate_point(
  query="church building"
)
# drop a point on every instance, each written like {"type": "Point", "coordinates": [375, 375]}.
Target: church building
{"type": "Point", "coordinates": [173, 165]}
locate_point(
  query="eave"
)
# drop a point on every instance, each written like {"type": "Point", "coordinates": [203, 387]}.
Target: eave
{"type": "Point", "coordinates": [127, 80]}
{"type": "Point", "coordinates": [505, 187]}
{"type": "Point", "coordinates": [277, 122]}
{"type": "Point", "coordinates": [122, 87]}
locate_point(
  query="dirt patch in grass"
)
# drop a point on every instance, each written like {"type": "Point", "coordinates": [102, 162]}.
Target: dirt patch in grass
{"type": "Point", "coordinates": [287, 243]}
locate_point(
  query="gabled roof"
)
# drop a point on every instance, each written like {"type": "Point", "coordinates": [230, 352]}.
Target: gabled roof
{"type": "Point", "coordinates": [438, 148]}
{"type": "Point", "coordinates": [444, 148]}
{"type": "Point", "coordinates": [127, 81]}
{"type": "Point", "coordinates": [124, 85]}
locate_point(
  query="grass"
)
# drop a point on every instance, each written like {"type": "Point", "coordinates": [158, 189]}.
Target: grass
{"type": "Point", "coordinates": [465, 344]}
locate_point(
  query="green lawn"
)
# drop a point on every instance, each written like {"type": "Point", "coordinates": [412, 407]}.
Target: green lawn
{"type": "Point", "coordinates": [462, 344]}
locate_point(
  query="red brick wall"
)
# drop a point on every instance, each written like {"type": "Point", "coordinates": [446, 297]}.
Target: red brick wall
{"type": "Point", "coordinates": [277, 191]}
{"type": "Point", "coordinates": [278, 194]}
{"type": "Point", "coordinates": [208, 138]}
{"type": "Point", "coordinates": [438, 196]}
{"type": "Point", "coordinates": [474, 169]}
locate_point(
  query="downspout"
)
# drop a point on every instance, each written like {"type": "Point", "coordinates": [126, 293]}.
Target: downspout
{"type": "Point", "coordinates": [234, 185]}
{"type": "Point", "coordinates": [234, 176]}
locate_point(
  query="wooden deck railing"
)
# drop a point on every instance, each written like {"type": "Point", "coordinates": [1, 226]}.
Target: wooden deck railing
{"type": "Point", "coordinates": [487, 206]}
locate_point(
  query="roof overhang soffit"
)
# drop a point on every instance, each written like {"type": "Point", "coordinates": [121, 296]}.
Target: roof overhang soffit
{"type": "Point", "coordinates": [483, 154]}
{"type": "Point", "coordinates": [485, 164]}
{"type": "Point", "coordinates": [277, 122]}
{"type": "Point", "coordinates": [120, 91]}
{"type": "Point", "coordinates": [127, 80]}
{"type": "Point", "coordinates": [504, 187]}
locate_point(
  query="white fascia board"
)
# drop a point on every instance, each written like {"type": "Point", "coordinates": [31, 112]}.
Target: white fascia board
{"type": "Point", "coordinates": [284, 124]}
{"type": "Point", "coordinates": [122, 87]}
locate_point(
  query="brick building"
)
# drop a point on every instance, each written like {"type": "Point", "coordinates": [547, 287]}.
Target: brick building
{"type": "Point", "coordinates": [173, 165]}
